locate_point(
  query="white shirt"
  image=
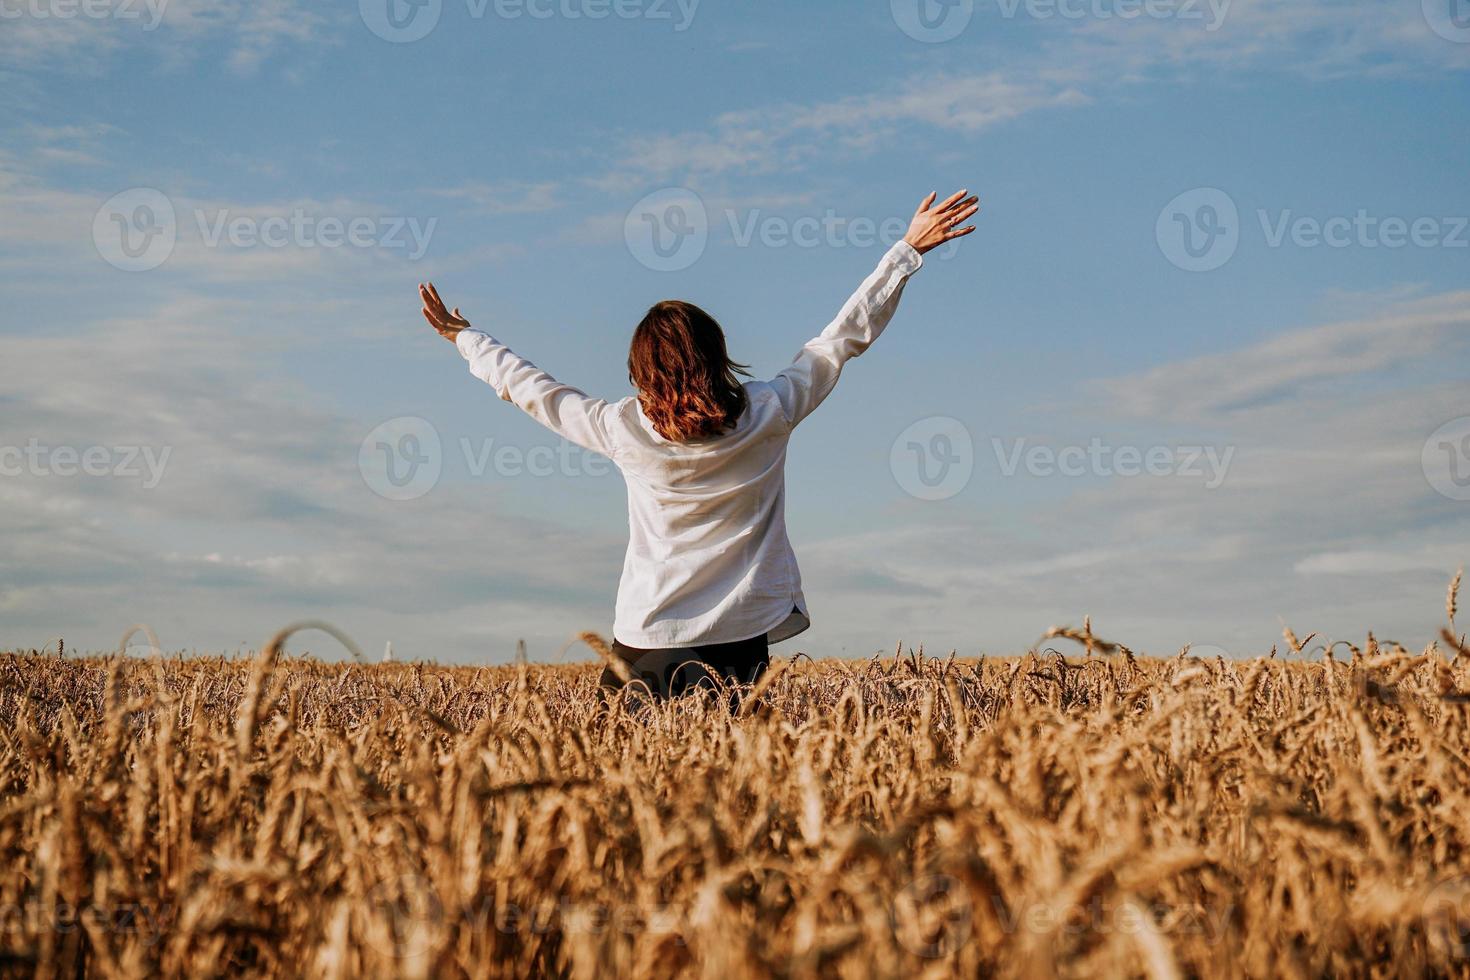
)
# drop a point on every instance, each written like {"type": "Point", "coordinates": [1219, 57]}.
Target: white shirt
{"type": "Point", "coordinates": [708, 559]}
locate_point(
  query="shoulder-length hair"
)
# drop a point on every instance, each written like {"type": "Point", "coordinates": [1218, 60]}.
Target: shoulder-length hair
{"type": "Point", "coordinates": [687, 384]}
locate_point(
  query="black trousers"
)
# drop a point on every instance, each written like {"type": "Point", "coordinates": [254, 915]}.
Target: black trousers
{"type": "Point", "coordinates": [677, 671]}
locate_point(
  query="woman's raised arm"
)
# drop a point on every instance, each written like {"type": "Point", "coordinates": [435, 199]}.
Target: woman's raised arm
{"type": "Point", "coordinates": [563, 409]}
{"type": "Point", "coordinates": [814, 373]}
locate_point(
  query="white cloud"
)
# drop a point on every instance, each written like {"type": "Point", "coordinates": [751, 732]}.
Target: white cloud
{"type": "Point", "coordinates": [775, 139]}
{"type": "Point", "coordinates": [1325, 518]}
{"type": "Point", "coordinates": [46, 35]}
{"type": "Point", "coordinates": [1080, 61]}
{"type": "Point", "coordinates": [1321, 40]}
{"type": "Point", "coordinates": [1298, 361]}
{"type": "Point", "coordinates": [262, 515]}
{"type": "Point", "coordinates": [1431, 558]}
{"type": "Point", "coordinates": [506, 196]}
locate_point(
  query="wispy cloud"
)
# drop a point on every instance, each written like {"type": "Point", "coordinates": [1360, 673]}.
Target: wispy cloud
{"type": "Point", "coordinates": [1322, 40]}
{"type": "Point", "coordinates": [1326, 426]}
{"type": "Point", "coordinates": [1298, 362]}
{"type": "Point", "coordinates": [1083, 60]}
{"type": "Point", "coordinates": [37, 36]}
{"type": "Point", "coordinates": [261, 513]}
{"type": "Point", "coordinates": [505, 196]}
{"type": "Point", "coordinates": [778, 138]}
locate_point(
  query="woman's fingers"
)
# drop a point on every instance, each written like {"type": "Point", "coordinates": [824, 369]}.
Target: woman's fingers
{"type": "Point", "coordinates": [952, 200]}
{"type": "Point", "coordinates": [430, 301]}
{"type": "Point", "coordinates": [926, 202]}
{"type": "Point", "coordinates": [959, 233]}
{"type": "Point", "coordinates": [965, 215]}
{"type": "Point", "coordinates": [439, 328]}
{"type": "Point", "coordinates": [431, 297]}
{"type": "Point", "coordinates": [959, 206]}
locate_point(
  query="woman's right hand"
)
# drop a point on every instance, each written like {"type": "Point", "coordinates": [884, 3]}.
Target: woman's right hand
{"type": "Point", "coordinates": [447, 324]}
{"type": "Point", "coordinates": [934, 225]}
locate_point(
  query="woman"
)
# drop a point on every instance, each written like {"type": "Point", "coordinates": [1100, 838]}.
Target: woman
{"type": "Point", "coordinates": [709, 580]}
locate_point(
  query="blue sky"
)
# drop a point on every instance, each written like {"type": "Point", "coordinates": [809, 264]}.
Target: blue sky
{"type": "Point", "coordinates": [1190, 441]}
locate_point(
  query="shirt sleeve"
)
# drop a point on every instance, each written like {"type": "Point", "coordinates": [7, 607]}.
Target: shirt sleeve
{"type": "Point", "coordinates": [563, 409]}
{"type": "Point", "coordinates": [812, 376]}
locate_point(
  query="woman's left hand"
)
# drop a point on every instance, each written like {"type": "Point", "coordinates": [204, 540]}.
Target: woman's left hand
{"type": "Point", "coordinates": [933, 226]}
{"type": "Point", "coordinates": [447, 324]}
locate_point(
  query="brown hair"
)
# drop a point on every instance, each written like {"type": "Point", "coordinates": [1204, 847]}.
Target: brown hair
{"type": "Point", "coordinates": [687, 384]}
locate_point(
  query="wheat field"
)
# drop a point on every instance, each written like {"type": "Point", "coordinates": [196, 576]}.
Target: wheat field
{"type": "Point", "coordinates": [1091, 814]}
